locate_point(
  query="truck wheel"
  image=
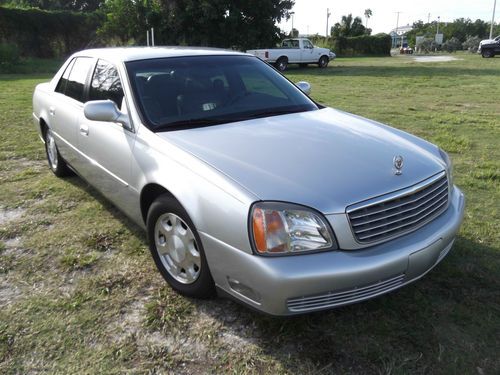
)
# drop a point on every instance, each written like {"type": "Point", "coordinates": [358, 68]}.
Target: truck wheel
{"type": "Point", "coordinates": [281, 64]}
{"type": "Point", "coordinates": [323, 62]}
{"type": "Point", "coordinates": [488, 53]}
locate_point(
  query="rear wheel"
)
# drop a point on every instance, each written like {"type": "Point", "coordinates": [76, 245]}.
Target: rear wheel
{"type": "Point", "coordinates": [281, 64]}
{"type": "Point", "coordinates": [323, 62]}
{"type": "Point", "coordinates": [177, 250]}
{"type": "Point", "coordinates": [56, 163]}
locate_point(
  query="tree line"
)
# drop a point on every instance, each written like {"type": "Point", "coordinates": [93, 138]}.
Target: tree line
{"type": "Point", "coordinates": [238, 24]}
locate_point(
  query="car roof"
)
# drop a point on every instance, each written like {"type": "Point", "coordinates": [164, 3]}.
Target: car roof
{"type": "Point", "coordinates": [123, 54]}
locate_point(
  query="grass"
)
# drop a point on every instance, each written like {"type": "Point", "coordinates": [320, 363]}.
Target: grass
{"type": "Point", "coordinates": [80, 294]}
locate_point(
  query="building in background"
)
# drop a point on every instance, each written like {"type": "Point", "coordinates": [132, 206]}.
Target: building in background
{"type": "Point", "coordinates": [399, 35]}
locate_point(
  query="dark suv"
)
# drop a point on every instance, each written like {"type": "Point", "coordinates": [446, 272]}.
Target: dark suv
{"type": "Point", "coordinates": [490, 47]}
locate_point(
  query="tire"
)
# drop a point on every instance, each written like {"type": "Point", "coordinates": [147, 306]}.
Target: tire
{"type": "Point", "coordinates": [177, 249]}
{"type": "Point", "coordinates": [323, 62]}
{"type": "Point", "coordinates": [56, 163]}
{"type": "Point", "coordinates": [303, 65]}
{"type": "Point", "coordinates": [488, 53]}
{"type": "Point", "coordinates": [282, 64]}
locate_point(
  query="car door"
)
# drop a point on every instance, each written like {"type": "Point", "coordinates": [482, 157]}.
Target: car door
{"type": "Point", "coordinates": [295, 52]}
{"type": "Point", "coordinates": [106, 146]}
{"type": "Point", "coordinates": [307, 51]}
{"type": "Point", "coordinates": [66, 105]}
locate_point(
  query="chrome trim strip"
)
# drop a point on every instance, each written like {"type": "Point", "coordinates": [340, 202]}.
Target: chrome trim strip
{"type": "Point", "coordinates": [327, 300]}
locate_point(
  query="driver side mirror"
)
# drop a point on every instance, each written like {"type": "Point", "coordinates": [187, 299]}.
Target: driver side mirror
{"type": "Point", "coordinates": [105, 110]}
{"type": "Point", "coordinates": [305, 87]}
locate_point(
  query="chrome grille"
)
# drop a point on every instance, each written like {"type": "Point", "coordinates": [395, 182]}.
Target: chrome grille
{"type": "Point", "coordinates": [331, 299]}
{"type": "Point", "coordinates": [399, 213]}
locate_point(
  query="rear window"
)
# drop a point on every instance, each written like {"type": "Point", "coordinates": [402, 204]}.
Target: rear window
{"type": "Point", "coordinates": [73, 85]}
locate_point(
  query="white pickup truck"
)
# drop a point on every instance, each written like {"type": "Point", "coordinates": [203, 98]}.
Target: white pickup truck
{"type": "Point", "coordinates": [295, 51]}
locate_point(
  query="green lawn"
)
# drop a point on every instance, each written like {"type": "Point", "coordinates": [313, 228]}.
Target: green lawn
{"type": "Point", "coordinates": [79, 292]}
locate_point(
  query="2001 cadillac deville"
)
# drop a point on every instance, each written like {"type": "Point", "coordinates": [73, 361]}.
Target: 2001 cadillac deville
{"type": "Point", "coordinates": [243, 183]}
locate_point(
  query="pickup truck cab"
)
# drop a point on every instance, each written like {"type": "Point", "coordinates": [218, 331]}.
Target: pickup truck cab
{"type": "Point", "coordinates": [489, 47]}
{"type": "Point", "coordinates": [295, 51]}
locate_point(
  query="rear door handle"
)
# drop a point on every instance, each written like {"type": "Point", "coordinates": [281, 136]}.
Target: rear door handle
{"type": "Point", "coordinates": [52, 111]}
{"type": "Point", "coordinates": [84, 130]}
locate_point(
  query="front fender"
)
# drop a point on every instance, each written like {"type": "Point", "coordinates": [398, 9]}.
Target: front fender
{"type": "Point", "coordinates": [216, 204]}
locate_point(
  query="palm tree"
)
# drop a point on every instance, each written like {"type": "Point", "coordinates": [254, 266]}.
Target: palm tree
{"type": "Point", "coordinates": [368, 14]}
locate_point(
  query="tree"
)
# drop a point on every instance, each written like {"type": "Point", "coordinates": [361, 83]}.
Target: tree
{"type": "Point", "coordinates": [76, 5]}
{"type": "Point", "coordinates": [347, 27]}
{"type": "Point", "coordinates": [368, 14]}
{"type": "Point", "coordinates": [214, 23]}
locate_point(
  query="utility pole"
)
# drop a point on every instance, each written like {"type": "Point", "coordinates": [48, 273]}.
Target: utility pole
{"type": "Point", "coordinates": [437, 30]}
{"type": "Point", "coordinates": [428, 18]}
{"type": "Point", "coordinates": [291, 32]}
{"type": "Point", "coordinates": [493, 19]}
{"type": "Point", "coordinates": [328, 14]}
{"type": "Point", "coordinates": [397, 29]}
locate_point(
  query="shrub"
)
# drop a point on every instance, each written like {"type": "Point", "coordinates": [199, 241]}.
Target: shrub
{"type": "Point", "coordinates": [363, 45]}
{"type": "Point", "coordinates": [9, 54]}
{"type": "Point", "coordinates": [471, 44]}
{"type": "Point", "coordinates": [47, 34]}
{"type": "Point", "coordinates": [452, 45]}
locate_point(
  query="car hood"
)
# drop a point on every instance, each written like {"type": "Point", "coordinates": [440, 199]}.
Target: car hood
{"type": "Point", "coordinates": [325, 159]}
{"type": "Point", "coordinates": [487, 41]}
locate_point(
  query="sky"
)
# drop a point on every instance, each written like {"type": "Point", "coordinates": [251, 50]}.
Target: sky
{"type": "Point", "coordinates": [310, 15]}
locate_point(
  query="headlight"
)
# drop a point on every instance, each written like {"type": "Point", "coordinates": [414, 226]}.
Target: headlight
{"type": "Point", "coordinates": [281, 228]}
{"type": "Point", "coordinates": [449, 166]}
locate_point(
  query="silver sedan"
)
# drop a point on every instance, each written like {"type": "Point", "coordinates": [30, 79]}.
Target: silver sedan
{"type": "Point", "coordinates": [243, 183]}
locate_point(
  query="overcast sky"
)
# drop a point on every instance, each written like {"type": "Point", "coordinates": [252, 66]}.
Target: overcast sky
{"type": "Point", "coordinates": [310, 15]}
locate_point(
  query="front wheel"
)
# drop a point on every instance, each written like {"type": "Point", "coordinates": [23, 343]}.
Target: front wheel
{"type": "Point", "coordinates": [177, 250]}
{"type": "Point", "coordinates": [487, 53]}
{"type": "Point", "coordinates": [323, 62]}
{"type": "Point", "coordinates": [56, 163]}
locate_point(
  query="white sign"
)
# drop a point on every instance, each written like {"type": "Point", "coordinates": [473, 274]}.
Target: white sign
{"type": "Point", "coordinates": [439, 38]}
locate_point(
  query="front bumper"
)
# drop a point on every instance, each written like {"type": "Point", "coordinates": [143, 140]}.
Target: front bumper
{"type": "Point", "coordinates": [297, 284]}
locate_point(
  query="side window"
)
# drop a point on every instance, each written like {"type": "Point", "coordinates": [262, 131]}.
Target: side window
{"type": "Point", "coordinates": [106, 83]}
{"type": "Point", "coordinates": [61, 85]}
{"type": "Point", "coordinates": [307, 44]}
{"type": "Point", "coordinates": [76, 82]}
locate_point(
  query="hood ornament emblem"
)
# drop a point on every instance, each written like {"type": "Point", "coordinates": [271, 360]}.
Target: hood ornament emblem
{"type": "Point", "coordinates": [398, 165]}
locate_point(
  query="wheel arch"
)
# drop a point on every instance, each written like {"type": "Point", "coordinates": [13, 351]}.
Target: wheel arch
{"type": "Point", "coordinates": [149, 193]}
{"type": "Point", "coordinates": [43, 128]}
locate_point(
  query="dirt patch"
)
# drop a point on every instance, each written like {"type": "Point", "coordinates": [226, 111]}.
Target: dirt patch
{"type": "Point", "coordinates": [6, 215]}
{"type": "Point", "coordinates": [435, 58]}
{"type": "Point", "coordinates": [9, 292]}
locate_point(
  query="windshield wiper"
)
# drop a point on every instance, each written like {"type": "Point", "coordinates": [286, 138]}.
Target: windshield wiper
{"type": "Point", "coordinates": [191, 123]}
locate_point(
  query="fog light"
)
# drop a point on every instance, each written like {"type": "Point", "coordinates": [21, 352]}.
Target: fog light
{"type": "Point", "coordinates": [244, 290]}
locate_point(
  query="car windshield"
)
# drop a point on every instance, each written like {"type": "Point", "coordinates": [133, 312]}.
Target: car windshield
{"type": "Point", "coordinates": [182, 92]}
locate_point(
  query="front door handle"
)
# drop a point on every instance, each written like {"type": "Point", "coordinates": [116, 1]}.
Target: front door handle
{"type": "Point", "coordinates": [52, 111]}
{"type": "Point", "coordinates": [84, 130]}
